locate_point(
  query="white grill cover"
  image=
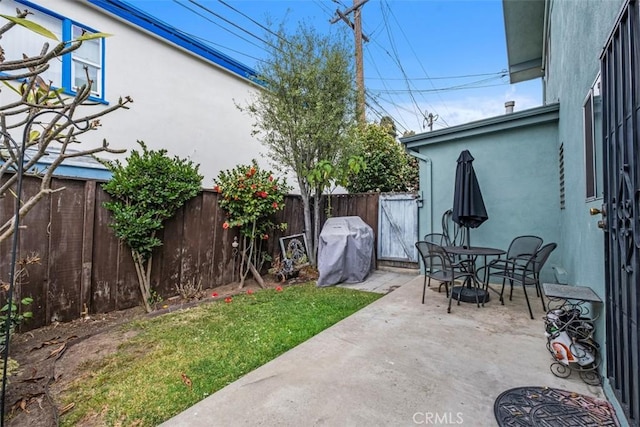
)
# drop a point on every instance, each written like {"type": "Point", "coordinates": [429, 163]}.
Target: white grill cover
{"type": "Point", "coordinates": [345, 251]}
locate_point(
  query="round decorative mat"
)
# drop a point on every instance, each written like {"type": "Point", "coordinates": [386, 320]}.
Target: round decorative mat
{"type": "Point", "coordinates": [544, 406]}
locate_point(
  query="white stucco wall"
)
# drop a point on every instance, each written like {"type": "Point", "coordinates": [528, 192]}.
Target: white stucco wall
{"type": "Point", "coordinates": [181, 102]}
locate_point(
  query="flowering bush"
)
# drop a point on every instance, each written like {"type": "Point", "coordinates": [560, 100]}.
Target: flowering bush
{"type": "Point", "coordinates": [250, 197]}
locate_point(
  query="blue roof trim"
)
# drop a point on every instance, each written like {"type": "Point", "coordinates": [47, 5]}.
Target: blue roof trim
{"type": "Point", "coordinates": [174, 35]}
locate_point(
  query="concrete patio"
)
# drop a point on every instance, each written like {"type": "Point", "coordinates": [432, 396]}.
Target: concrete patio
{"type": "Point", "coordinates": [397, 362]}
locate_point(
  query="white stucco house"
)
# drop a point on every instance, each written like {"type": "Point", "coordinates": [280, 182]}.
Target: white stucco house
{"type": "Point", "coordinates": [185, 92]}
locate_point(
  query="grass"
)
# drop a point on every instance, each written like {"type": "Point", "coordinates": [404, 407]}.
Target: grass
{"type": "Point", "coordinates": [213, 345]}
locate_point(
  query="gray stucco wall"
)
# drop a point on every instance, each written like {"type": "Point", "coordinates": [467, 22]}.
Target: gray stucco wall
{"type": "Point", "coordinates": [517, 169]}
{"type": "Point", "coordinates": [579, 30]}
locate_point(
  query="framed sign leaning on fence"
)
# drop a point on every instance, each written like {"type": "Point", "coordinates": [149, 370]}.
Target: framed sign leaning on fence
{"type": "Point", "coordinates": [295, 247]}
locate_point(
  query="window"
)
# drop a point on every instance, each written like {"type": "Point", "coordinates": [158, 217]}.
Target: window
{"type": "Point", "coordinates": [592, 113]}
{"type": "Point", "coordinates": [86, 62]}
{"type": "Point", "coordinates": [70, 71]}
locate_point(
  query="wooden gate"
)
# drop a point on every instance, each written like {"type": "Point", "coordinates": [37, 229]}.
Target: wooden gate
{"type": "Point", "coordinates": [398, 227]}
{"type": "Point", "coordinates": [621, 128]}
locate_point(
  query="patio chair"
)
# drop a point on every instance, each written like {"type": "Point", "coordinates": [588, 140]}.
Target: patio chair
{"type": "Point", "coordinates": [432, 267]}
{"type": "Point", "coordinates": [437, 238]}
{"type": "Point", "coordinates": [443, 240]}
{"type": "Point", "coordinates": [438, 266]}
{"type": "Point", "coordinates": [526, 273]}
{"type": "Point", "coordinates": [521, 248]}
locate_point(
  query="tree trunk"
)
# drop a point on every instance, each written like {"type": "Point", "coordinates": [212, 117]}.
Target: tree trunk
{"type": "Point", "coordinates": [145, 289]}
{"type": "Point", "coordinates": [316, 223]}
{"type": "Point", "coordinates": [308, 228]}
{"type": "Point", "coordinates": [256, 275]}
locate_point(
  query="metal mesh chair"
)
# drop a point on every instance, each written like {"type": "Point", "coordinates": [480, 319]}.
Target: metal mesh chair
{"type": "Point", "coordinates": [432, 268]}
{"type": "Point", "coordinates": [437, 238]}
{"type": "Point", "coordinates": [443, 240]}
{"type": "Point", "coordinates": [521, 248]}
{"type": "Point", "coordinates": [438, 266]}
{"type": "Point", "coordinates": [525, 272]}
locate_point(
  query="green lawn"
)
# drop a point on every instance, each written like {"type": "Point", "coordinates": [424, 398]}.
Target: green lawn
{"type": "Point", "coordinates": [213, 345]}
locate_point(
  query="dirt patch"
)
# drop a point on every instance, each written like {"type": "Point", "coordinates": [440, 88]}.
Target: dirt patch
{"type": "Point", "coordinates": [53, 356]}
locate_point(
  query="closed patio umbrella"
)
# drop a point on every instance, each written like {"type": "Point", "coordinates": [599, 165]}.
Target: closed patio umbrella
{"type": "Point", "coordinates": [468, 212]}
{"type": "Point", "coordinates": [468, 205]}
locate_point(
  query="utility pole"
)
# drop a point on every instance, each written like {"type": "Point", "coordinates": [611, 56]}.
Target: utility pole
{"type": "Point", "coordinates": [428, 121]}
{"type": "Point", "coordinates": [356, 26]}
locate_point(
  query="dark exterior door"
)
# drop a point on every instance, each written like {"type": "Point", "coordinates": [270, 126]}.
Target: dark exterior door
{"type": "Point", "coordinates": [621, 128]}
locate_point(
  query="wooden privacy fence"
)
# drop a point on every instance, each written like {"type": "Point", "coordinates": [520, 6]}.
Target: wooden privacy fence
{"type": "Point", "coordinates": [85, 269]}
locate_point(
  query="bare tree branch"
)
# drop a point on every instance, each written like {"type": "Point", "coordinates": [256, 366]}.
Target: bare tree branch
{"type": "Point", "coordinates": [38, 116]}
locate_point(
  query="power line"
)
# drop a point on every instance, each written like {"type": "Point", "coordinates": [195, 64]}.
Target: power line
{"type": "Point", "coordinates": [443, 89]}
{"type": "Point", "coordinates": [267, 29]}
{"type": "Point", "coordinates": [399, 63]}
{"type": "Point", "coordinates": [324, 8]}
{"type": "Point", "coordinates": [375, 67]}
{"type": "Point", "coordinates": [221, 46]}
{"type": "Point", "coordinates": [228, 21]}
{"type": "Point", "coordinates": [375, 101]}
{"type": "Point", "coordinates": [218, 25]}
{"type": "Point", "coordinates": [500, 73]}
{"type": "Point", "coordinates": [416, 56]}
{"type": "Point", "coordinates": [390, 91]}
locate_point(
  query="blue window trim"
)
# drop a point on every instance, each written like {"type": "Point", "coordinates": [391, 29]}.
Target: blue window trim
{"type": "Point", "coordinates": [67, 23]}
{"type": "Point", "coordinates": [173, 35]}
{"type": "Point", "coordinates": [66, 59]}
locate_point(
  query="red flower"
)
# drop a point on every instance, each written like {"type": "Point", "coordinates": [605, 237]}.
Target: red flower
{"type": "Point", "coordinates": [275, 205]}
{"type": "Point", "coordinates": [270, 177]}
{"type": "Point", "coordinates": [217, 189]}
{"type": "Point", "coordinates": [265, 236]}
{"type": "Point", "coordinates": [249, 291]}
{"type": "Point", "coordinates": [225, 225]}
{"type": "Point", "coordinates": [263, 194]}
{"type": "Point", "coordinates": [279, 289]}
{"type": "Point", "coordinates": [228, 300]}
{"type": "Point", "coordinates": [253, 186]}
{"type": "Point", "coordinates": [214, 295]}
{"type": "Point", "coordinates": [251, 172]}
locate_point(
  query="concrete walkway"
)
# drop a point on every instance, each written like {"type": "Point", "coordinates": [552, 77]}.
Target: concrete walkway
{"type": "Point", "coordinates": [396, 362]}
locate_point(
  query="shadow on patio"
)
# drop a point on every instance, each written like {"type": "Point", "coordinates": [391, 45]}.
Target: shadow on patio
{"type": "Point", "coordinates": [393, 363]}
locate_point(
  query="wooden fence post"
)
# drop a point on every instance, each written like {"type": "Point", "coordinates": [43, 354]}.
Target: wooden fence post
{"type": "Point", "coordinates": [87, 246]}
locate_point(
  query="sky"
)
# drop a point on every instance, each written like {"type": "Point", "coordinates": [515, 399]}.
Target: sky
{"type": "Point", "coordinates": [447, 58]}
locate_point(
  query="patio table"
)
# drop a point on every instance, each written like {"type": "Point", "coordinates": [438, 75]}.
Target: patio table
{"type": "Point", "coordinates": [466, 292]}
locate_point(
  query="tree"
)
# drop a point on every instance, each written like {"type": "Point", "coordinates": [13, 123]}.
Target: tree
{"type": "Point", "coordinates": [250, 197]}
{"type": "Point", "coordinates": [304, 113]}
{"type": "Point", "coordinates": [388, 166]}
{"type": "Point", "coordinates": [329, 176]}
{"type": "Point", "coordinates": [145, 192]}
{"type": "Point", "coordinates": [47, 120]}
{"type": "Point", "coordinates": [389, 124]}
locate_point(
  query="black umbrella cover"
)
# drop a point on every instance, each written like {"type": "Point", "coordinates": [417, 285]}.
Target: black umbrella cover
{"type": "Point", "coordinates": [468, 206]}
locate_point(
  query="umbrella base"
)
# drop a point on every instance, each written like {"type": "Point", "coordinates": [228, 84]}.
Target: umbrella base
{"type": "Point", "coordinates": [466, 294]}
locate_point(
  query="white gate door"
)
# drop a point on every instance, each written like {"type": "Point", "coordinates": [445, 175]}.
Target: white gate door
{"type": "Point", "coordinates": [398, 227]}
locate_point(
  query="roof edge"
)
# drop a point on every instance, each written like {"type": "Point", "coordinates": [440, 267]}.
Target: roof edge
{"type": "Point", "coordinates": [531, 116]}
{"type": "Point", "coordinates": [524, 25]}
{"type": "Point", "coordinates": [173, 35]}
